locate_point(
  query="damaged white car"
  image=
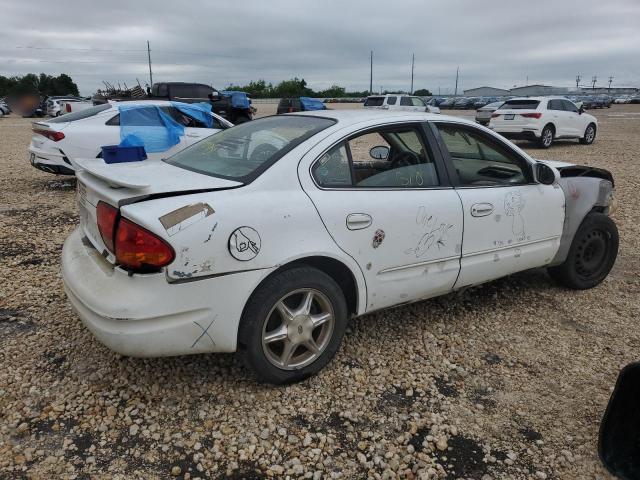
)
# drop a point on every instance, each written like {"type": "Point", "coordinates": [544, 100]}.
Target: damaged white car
{"type": "Point", "coordinates": [265, 238]}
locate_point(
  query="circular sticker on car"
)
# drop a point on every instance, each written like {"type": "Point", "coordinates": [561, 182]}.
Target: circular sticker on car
{"type": "Point", "coordinates": [244, 244]}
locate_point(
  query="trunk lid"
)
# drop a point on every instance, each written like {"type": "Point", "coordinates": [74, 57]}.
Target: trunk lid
{"type": "Point", "coordinates": [126, 183]}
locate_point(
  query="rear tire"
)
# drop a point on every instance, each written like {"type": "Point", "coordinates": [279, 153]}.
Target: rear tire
{"type": "Point", "coordinates": [546, 137]}
{"type": "Point", "coordinates": [589, 135]}
{"type": "Point", "coordinates": [592, 254]}
{"type": "Point", "coordinates": [292, 325]}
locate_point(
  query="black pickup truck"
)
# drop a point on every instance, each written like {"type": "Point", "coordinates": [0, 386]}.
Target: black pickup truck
{"type": "Point", "coordinates": [234, 106]}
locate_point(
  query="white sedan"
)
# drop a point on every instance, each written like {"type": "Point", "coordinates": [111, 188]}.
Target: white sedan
{"type": "Point", "coordinates": [245, 242]}
{"type": "Point", "coordinates": [543, 120]}
{"type": "Point", "coordinates": [57, 142]}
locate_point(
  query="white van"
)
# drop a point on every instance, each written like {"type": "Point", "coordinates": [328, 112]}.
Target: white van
{"type": "Point", "coordinates": [407, 103]}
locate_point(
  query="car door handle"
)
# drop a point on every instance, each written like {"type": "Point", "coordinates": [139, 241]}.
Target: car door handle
{"type": "Point", "coordinates": [192, 135]}
{"type": "Point", "coordinates": [481, 209]}
{"type": "Point", "coordinates": [358, 221]}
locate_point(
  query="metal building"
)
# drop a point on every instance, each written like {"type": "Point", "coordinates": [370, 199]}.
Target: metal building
{"type": "Point", "coordinates": [486, 92]}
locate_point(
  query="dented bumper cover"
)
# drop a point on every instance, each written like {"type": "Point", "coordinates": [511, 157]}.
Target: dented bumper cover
{"type": "Point", "coordinates": [145, 315]}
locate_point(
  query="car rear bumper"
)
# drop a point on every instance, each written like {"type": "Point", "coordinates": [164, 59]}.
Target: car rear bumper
{"type": "Point", "coordinates": [50, 161]}
{"type": "Point", "coordinates": [516, 132]}
{"type": "Point", "coordinates": [145, 315]}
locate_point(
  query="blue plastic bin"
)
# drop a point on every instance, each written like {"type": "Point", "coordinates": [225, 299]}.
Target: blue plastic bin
{"type": "Point", "coordinates": [121, 154]}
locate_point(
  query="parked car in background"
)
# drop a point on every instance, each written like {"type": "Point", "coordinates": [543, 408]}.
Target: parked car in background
{"type": "Point", "coordinates": [622, 99]}
{"type": "Point", "coordinates": [58, 142]}
{"type": "Point", "coordinates": [635, 99]}
{"type": "Point", "coordinates": [4, 108]}
{"type": "Point", "coordinates": [483, 114]}
{"type": "Point", "coordinates": [73, 106]}
{"type": "Point", "coordinates": [405, 103]}
{"type": "Point", "coordinates": [52, 104]}
{"type": "Point", "coordinates": [461, 103]}
{"type": "Point", "coordinates": [299, 104]}
{"type": "Point", "coordinates": [543, 119]}
{"type": "Point", "coordinates": [220, 250]}
{"type": "Point", "coordinates": [232, 105]}
{"type": "Point", "coordinates": [448, 103]}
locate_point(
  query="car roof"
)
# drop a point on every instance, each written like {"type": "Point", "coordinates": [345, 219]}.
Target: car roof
{"type": "Point", "coordinates": [540, 99]}
{"type": "Point", "coordinates": [348, 116]}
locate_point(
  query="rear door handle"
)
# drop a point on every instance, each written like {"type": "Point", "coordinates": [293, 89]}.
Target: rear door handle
{"type": "Point", "coordinates": [358, 221]}
{"type": "Point", "coordinates": [481, 209]}
{"type": "Point", "coordinates": [192, 135]}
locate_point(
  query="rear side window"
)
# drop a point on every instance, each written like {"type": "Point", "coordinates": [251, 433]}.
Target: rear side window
{"type": "Point", "coordinates": [374, 102]}
{"type": "Point", "coordinates": [72, 117]}
{"type": "Point", "coordinates": [569, 106]}
{"type": "Point", "coordinates": [520, 105]}
{"type": "Point", "coordinates": [391, 100]}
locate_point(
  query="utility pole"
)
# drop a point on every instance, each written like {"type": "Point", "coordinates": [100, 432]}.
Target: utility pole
{"type": "Point", "coordinates": [457, 74]}
{"type": "Point", "coordinates": [610, 81]}
{"type": "Point", "coordinates": [578, 78]}
{"type": "Point", "coordinates": [150, 73]}
{"type": "Point", "coordinates": [413, 60]}
{"type": "Point", "coordinates": [371, 76]}
{"type": "Point", "coordinates": [594, 79]}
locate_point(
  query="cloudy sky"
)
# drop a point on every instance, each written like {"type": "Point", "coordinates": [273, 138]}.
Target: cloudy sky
{"type": "Point", "coordinates": [499, 43]}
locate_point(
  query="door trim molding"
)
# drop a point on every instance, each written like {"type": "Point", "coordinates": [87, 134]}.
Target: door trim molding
{"type": "Point", "coordinates": [418, 264]}
{"type": "Point", "coordinates": [508, 247]}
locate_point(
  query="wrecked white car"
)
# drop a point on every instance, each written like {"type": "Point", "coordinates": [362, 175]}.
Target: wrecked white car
{"type": "Point", "coordinates": [265, 238]}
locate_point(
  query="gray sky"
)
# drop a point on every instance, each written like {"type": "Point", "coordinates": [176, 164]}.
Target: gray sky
{"type": "Point", "coordinates": [497, 43]}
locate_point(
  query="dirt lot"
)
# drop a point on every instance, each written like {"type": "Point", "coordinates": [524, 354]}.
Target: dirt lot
{"type": "Point", "coordinates": [507, 380]}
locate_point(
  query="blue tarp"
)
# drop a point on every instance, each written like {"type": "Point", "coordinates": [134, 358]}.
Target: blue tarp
{"type": "Point", "coordinates": [148, 124]}
{"type": "Point", "coordinates": [199, 111]}
{"type": "Point", "coordinates": [238, 99]}
{"type": "Point", "coordinates": [309, 104]}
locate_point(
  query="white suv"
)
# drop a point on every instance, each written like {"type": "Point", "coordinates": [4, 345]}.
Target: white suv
{"type": "Point", "coordinates": [406, 103]}
{"type": "Point", "coordinates": [543, 119]}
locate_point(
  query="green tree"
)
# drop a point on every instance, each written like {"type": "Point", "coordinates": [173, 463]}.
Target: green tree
{"type": "Point", "coordinates": [423, 92]}
{"type": "Point", "coordinates": [334, 91]}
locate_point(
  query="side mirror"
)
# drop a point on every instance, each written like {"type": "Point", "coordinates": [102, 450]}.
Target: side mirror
{"type": "Point", "coordinates": [581, 110]}
{"type": "Point", "coordinates": [381, 152]}
{"type": "Point", "coordinates": [545, 174]}
{"type": "Point", "coordinates": [619, 439]}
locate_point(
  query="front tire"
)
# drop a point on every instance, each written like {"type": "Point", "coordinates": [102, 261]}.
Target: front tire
{"type": "Point", "coordinates": [592, 254]}
{"type": "Point", "coordinates": [589, 135]}
{"type": "Point", "coordinates": [292, 325]}
{"type": "Point", "coordinates": [546, 137]}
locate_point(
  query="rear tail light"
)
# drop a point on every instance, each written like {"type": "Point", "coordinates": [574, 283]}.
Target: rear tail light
{"type": "Point", "coordinates": [290, 110]}
{"type": "Point", "coordinates": [134, 247]}
{"type": "Point", "coordinates": [495, 115]}
{"type": "Point", "coordinates": [107, 216]}
{"type": "Point", "coordinates": [139, 249]}
{"type": "Point", "coordinates": [68, 108]}
{"type": "Point", "coordinates": [50, 134]}
{"type": "Point", "coordinates": [531, 115]}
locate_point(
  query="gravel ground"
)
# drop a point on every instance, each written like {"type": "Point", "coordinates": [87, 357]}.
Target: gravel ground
{"type": "Point", "coordinates": [507, 380]}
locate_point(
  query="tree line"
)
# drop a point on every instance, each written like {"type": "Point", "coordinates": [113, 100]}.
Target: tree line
{"type": "Point", "coordinates": [42, 84]}
{"type": "Point", "coordinates": [298, 88]}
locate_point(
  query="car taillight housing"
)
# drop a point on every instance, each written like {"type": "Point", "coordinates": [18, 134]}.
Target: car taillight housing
{"type": "Point", "coordinates": [107, 217]}
{"type": "Point", "coordinates": [134, 247]}
{"type": "Point", "coordinates": [50, 134]}
{"type": "Point", "coordinates": [68, 108]}
{"type": "Point", "coordinates": [531, 115]}
{"type": "Point", "coordinates": [138, 249]}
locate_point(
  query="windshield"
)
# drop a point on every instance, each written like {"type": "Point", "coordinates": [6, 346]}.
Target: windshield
{"type": "Point", "coordinates": [72, 117]}
{"type": "Point", "coordinates": [243, 152]}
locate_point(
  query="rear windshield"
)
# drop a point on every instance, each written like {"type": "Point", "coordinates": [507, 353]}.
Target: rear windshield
{"type": "Point", "coordinates": [520, 105]}
{"type": "Point", "coordinates": [72, 117]}
{"type": "Point", "coordinates": [243, 152]}
{"type": "Point", "coordinates": [374, 102]}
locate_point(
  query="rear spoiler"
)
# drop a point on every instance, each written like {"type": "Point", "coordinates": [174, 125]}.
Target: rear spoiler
{"type": "Point", "coordinates": [114, 175]}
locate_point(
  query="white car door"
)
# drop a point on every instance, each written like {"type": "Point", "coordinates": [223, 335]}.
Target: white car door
{"type": "Point", "coordinates": [575, 123]}
{"type": "Point", "coordinates": [559, 117]}
{"type": "Point", "coordinates": [391, 213]}
{"type": "Point", "coordinates": [510, 223]}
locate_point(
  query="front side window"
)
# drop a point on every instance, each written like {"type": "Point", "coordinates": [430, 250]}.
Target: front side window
{"type": "Point", "coordinates": [417, 102]}
{"type": "Point", "coordinates": [480, 160]}
{"type": "Point", "coordinates": [555, 105]}
{"type": "Point", "coordinates": [383, 158]}
{"type": "Point", "coordinates": [406, 102]}
{"type": "Point", "coordinates": [243, 152]}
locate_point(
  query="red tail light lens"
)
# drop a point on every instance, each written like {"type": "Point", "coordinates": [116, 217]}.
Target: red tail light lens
{"type": "Point", "coordinates": [139, 249]}
{"type": "Point", "coordinates": [106, 217]}
{"type": "Point", "coordinates": [531, 115]}
{"type": "Point", "coordinates": [290, 110]}
{"type": "Point", "coordinates": [68, 108]}
{"type": "Point", "coordinates": [51, 135]}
